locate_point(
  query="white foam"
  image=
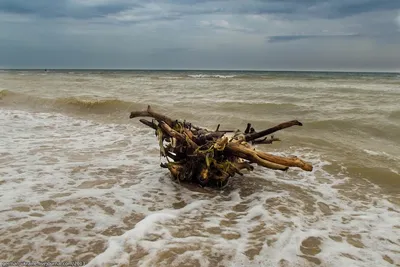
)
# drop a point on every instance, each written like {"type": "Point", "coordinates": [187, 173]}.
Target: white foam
{"type": "Point", "coordinates": [170, 77]}
{"type": "Point", "coordinates": [211, 76]}
{"type": "Point", "coordinates": [94, 176]}
{"type": "Point", "coordinates": [115, 250]}
{"type": "Point", "coordinates": [377, 153]}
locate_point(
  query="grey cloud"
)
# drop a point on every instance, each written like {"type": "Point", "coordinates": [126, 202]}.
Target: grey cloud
{"type": "Point", "coordinates": [397, 20]}
{"type": "Point", "coordinates": [349, 8]}
{"type": "Point", "coordinates": [325, 8]}
{"type": "Point", "coordinates": [288, 38]}
{"type": "Point", "coordinates": [180, 8]}
{"type": "Point", "coordinates": [63, 8]}
{"type": "Point", "coordinates": [225, 25]}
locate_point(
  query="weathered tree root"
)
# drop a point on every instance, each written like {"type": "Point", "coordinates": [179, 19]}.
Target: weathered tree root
{"type": "Point", "coordinates": [209, 157]}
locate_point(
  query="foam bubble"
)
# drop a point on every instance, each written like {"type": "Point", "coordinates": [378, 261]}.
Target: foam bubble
{"type": "Point", "coordinates": [92, 191]}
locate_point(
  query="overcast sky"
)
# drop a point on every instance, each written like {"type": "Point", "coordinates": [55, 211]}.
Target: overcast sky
{"type": "Point", "coordinates": [194, 34]}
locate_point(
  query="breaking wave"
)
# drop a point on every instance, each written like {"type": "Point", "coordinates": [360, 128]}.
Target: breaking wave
{"type": "Point", "coordinates": [81, 104]}
{"type": "Point", "coordinates": [5, 93]}
{"type": "Point", "coordinates": [211, 76]}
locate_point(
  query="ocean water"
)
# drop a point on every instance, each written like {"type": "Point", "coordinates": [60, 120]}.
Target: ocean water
{"type": "Point", "coordinates": [80, 181]}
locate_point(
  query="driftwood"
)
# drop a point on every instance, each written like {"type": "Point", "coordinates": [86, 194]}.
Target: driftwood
{"type": "Point", "coordinates": [207, 157]}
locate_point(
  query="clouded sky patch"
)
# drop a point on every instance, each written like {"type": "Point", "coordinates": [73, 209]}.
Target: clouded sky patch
{"type": "Point", "coordinates": [256, 34]}
{"type": "Point", "coordinates": [398, 20]}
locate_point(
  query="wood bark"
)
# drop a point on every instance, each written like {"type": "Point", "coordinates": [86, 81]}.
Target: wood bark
{"type": "Point", "coordinates": [207, 157]}
{"type": "Point", "coordinates": [256, 135]}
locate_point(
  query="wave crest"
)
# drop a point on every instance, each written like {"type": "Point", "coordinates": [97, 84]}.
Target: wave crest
{"type": "Point", "coordinates": [68, 104]}
{"type": "Point", "coordinates": [95, 104]}
{"type": "Point", "coordinates": [211, 76]}
{"type": "Point", "coordinates": [5, 93]}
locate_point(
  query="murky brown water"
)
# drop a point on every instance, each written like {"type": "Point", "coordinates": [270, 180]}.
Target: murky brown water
{"type": "Point", "coordinates": [79, 181]}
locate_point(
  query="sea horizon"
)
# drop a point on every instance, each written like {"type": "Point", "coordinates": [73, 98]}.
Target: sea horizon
{"type": "Point", "coordinates": [204, 69]}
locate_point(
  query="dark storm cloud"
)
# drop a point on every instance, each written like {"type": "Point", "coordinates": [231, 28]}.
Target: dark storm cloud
{"type": "Point", "coordinates": [349, 8]}
{"type": "Point", "coordinates": [64, 8]}
{"type": "Point", "coordinates": [324, 8]}
{"type": "Point", "coordinates": [89, 9]}
{"type": "Point", "coordinates": [288, 38]}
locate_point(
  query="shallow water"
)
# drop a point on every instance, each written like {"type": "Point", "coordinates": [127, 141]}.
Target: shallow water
{"type": "Point", "coordinates": [80, 181]}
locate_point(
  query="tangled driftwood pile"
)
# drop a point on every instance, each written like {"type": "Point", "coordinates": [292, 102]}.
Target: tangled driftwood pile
{"type": "Point", "coordinates": [211, 157]}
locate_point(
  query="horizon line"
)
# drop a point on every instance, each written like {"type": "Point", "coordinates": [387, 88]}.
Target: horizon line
{"type": "Point", "coordinates": [200, 69]}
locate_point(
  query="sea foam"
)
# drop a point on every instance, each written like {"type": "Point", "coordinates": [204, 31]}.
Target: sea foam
{"type": "Point", "coordinates": [74, 189]}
